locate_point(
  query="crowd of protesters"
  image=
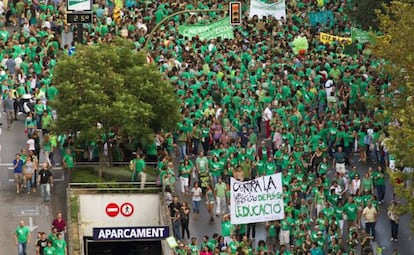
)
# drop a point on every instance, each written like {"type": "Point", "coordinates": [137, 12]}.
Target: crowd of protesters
{"type": "Point", "coordinates": [250, 107]}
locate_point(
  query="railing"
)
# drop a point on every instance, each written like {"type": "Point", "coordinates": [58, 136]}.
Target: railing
{"type": "Point", "coordinates": [150, 187]}
{"type": "Point", "coordinates": [123, 163]}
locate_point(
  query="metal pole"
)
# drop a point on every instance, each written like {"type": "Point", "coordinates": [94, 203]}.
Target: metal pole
{"type": "Point", "coordinates": [151, 34]}
{"type": "Point", "coordinates": [79, 37]}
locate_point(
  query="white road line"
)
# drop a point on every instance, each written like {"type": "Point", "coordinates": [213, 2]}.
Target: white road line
{"type": "Point", "coordinates": [31, 227]}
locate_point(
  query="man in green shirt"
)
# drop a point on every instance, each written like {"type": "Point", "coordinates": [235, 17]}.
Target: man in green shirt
{"type": "Point", "coordinates": [226, 228]}
{"type": "Point", "coordinates": [138, 165]}
{"type": "Point", "coordinates": [22, 237]}
{"type": "Point", "coordinates": [68, 162]}
{"type": "Point", "coordinates": [351, 211]}
{"type": "Point", "coordinates": [220, 190]}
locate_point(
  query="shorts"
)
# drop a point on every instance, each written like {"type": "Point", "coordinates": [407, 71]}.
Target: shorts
{"type": "Point", "coordinates": [284, 237]}
{"type": "Point", "coordinates": [18, 177]}
{"type": "Point", "coordinates": [340, 168]}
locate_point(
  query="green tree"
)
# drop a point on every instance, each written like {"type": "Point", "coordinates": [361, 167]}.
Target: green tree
{"type": "Point", "coordinates": [111, 84]}
{"type": "Point", "coordinates": [363, 13]}
{"type": "Point", "coordinates": [395, 47]}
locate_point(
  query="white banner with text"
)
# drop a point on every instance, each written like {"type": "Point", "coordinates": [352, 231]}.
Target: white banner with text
{"type": "Point", "coordinates": [257, 200]}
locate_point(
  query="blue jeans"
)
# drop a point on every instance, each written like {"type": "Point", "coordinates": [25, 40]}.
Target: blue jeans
{"type": "Point", "coordinates": [176, 229]}
{"type": "Point", "coordinates": [21, 247]}
{"type": "Point", "coordinates": [183, 151]}
{"type": "Point", "coordinates": [29, 183]}
{"type": "Point", "coordinates": [380, 192]}
{"type": "Point", "coordinates": [196, 206]}
{"type": "Point", "coordinates": [45, 191]}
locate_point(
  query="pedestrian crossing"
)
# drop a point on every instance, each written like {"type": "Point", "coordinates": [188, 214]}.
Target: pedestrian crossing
{"type": "Point", "coordinates": [58, 173]}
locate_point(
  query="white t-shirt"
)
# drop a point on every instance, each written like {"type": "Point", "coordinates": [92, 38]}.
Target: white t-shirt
{"type": "Point", "coordinates": [197, 193]}
{"type": "Point", "coordinates": [31, 145]}
{"type": "Point", "coordinates": [267, 114]}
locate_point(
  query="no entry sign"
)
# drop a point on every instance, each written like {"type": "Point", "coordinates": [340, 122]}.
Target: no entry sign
{"type": "Point", "coordinates": [112, 209]}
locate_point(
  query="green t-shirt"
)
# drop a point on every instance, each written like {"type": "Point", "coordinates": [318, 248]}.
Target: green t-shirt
{"type": "Point", "coordinates": [47, 146]}
{"type": "Point", "coordinates": [185, 171]}
{"type": "Point", "coordinates": [194, 250]}
{"type": "Point", "coordinates": [379, 178]}
{"type": "Point", "coordinates": [22, 234]}
{"type": "Point", "coordinates": [60, 246]}
{"type": "Point", "coordinates": [367, 184]}
{"type": "Point", "coordinates": [49, 250]}
{"type": "Point", "coordinates": [202, 164]}
{"type": "Point", "coordinates": [351, 211]}
{"type": "Point", "coordinates": [226, 228]}
{"type": "Point", "coordinates": [139, 165]}
{"type": "Point", "coordinates": [68, 159]}
{"type": "Point", "coordinates": [221, 190]}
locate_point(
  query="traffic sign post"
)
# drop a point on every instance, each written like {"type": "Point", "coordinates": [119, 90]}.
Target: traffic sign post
{"type": "Point", "coordinates": [79, 12]}
{"type": "Point", "coordinates": [112, 209]}
{"type": "Point", "coordinates": [127, 209]}
{"type": "Point", "coordinates": [79, 5]}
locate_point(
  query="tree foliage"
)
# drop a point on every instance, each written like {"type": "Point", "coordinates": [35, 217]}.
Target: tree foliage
{"type": "Point", "coordinates": [113, 85]}
{"type": "Point", "coordinates": [363, 13]}
{"type": "Point", "coordinates": [396, 48]}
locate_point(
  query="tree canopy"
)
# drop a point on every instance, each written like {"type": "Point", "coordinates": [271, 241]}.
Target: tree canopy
{"type": "Point", "coordinates": [395, 47]}
{"type": "Point", "coordinates": [111, 84]}
{"type": "Point", "coordinates": [363, 13]}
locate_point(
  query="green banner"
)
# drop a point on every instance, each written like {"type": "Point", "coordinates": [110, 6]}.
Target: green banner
{"type": "Point", "coordinates": [221, 28]}
{"type": "Point", "coordinates": [360, 35]}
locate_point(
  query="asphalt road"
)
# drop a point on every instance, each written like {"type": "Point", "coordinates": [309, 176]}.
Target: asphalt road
{"type": "Point", "coordinates": [15, 207]}
{"type": "Point", "coordinates": [200, 226]}
{"type": "Point", "coordinates": [30, 208]}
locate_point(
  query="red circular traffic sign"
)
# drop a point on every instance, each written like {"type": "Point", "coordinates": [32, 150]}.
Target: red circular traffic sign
{"type": "Point", "coordinates": [112, 209]}
{"type": "Point", "coordinates": [127, 209]}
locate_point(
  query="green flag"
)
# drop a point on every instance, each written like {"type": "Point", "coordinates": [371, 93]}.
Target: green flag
{"type": "Point", "coordinates": [360, 35]}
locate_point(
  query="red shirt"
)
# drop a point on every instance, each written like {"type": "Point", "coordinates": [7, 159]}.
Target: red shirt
{"type": "Point", "coordinates": [59, 224]}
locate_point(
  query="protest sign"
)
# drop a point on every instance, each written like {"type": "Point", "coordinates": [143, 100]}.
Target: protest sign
{"type": "Point", "coordinates": [327, 38]}
{"type": "Point", "coordinates": [322, 17]}
{"type": "Point", "coordinates": [257, 200]}
{"type": "Point", "coordinates": [221, 28]}
{"type": "Point", "coordinates": [360, 35]}
{"type": "Point", "coordinates": [259, 8]}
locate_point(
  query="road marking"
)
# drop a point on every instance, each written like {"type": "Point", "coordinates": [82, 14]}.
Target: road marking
{"type": "Point", "coordinates": [61, 179]}
{"type": "Point", "coordinates": [27, 210]}
{"type": "Point", "coordinates": [31, 227]}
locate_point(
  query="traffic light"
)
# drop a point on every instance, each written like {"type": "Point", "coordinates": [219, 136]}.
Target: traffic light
{"type": "Point", "coordinates": [116, 15]}
{"type": "Point", "coordinates": [235, 13]}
